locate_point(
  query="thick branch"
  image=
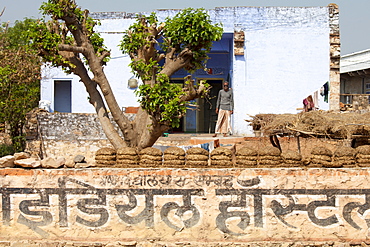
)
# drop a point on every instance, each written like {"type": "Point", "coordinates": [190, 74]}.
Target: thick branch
{"type": "Point", "coordinates": [152, 129]}
{"type": "Point", "coordinates": [81, 36]}
{"type": "Point", "coordinates": [171, 53]}
{"type": "Point", "coordinates": [161, 57]}
{"type": "Point", "coordinates": [176, 62]}
{"type": "Point", "coordinates": [72, 48]}
{"type": "Point", "coordinates": [192, 92]}
{"type": "Point", "coordinates": [104, 55]}
{"type": "Point", "coordinates": [98, 103]}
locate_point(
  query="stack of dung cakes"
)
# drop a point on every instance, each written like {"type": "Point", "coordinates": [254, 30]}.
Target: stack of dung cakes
{"type": "Point", "coordinates": [269, 157]}
{"type": "Point", "coordinates": [321, 157]}
{"type": "Point", "coordinates": [105, 157]}
{"type": "Point", "coordinates": [363, 155]}
{"type": "Point", "coordinates": [291, 159]}
{"type": "Point", "coordinates": [197, 157]}
{"type": "Point", "coordinates": [246, 157]}
{"type": "Point", "coordinates": [174, 157]}
{"type": "Point", "coordinates": [344, 157]}
{"type": "Point", "coordinates": [150, 157]}
{"type": "Point", "coordinates": [221, 157]}
{"type": "Point", "coordinates": [127, 157]}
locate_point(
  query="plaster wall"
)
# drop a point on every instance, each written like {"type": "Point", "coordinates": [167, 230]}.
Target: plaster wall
{"type": "Point", "coordinates": [79, 97]}
{"type": "Point", "coordinates": [286, 59]}
{"type": "Point", "coordinates": [352, 85]}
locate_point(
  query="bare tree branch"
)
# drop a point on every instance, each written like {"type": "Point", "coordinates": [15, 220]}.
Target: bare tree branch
{"type": "Point", "coordinates": [2, 12]}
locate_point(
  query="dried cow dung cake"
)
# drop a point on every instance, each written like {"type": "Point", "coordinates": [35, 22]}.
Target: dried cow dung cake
{"type": "Point", "coordinates": [174, 157]}
{"type": "Point", "coordinates": [105, 157]}
{"type": "Point", "coordinates": [196, 157]}
{"type": "Point", "coordinates": [246, 157]}
{"type": "Point", "coordinates": [106, 151]}
{"type": "Point", "coordinates": [150, 157]}
{"type": "Point", "coordinates": [221, 157]}
{"type": "Point", "coordinates": [363, 149]}
{"type": "Point", "coordinates": [269, 156]}
{"type": "Point", "coordinates": [291, 158]}
{"type": "Point", "coordinates": [320, 150]}
{"type": "Point", "coordinates": [363, 155]}
{"type": "Point", "coordinates": [127, 157]}
{"type": "Point", "coordinates": [344, 157]}
{"type": "Point", "coordinates": [269, 151]}
{"type": "Point", "coordinates": [246, 151]}
{"type": "Point", "coordinates": [321, 157]}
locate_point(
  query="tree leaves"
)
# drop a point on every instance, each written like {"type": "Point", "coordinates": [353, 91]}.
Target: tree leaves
{"type": "Point", "coordinates": [162, 100]}
{"type": "Point", "coordinates": [184, 42]}
{"type": "Point", "coordinates": [19, 79]}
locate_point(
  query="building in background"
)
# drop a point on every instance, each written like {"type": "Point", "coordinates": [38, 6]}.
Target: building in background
{"type": "Point", "coordinates": [355, 81]}
{"type": "Point", "coordinates": [273, 57]}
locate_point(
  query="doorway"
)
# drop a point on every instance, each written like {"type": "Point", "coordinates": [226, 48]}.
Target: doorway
{"type": "Point", "coordinates": [181, 128]}
{"type": "Point", "coordinates": [207, 116]}
{"type": "Point", "coordinates": [62, 96]}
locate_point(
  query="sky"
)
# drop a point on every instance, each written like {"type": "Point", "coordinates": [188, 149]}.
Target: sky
{"type": "Point", "coordinates": [353, 14]}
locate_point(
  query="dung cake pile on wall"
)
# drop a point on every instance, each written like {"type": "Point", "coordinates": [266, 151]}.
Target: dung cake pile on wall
{"type": "Point", "coordinates": [174, 157]}
{"type": "Point", "coordinates": [105, 157]}
{"type": "Point", "coordinates": [321, 157]}
{"type": "Point", "coordinates": [197, 157]}
{"type": "Point", "coordinates": [363, 156]}
{"type": "Point", "coordinates": [246, 157]}
{"type": "Point", "coordinates": [291, 159]}
{"type": "Point", "coordinates": [344, 157]}
{"type": "Point", "coordinates": [150, 157]}
{"type": "Point", "coordinates": [269, 157]}
{"type": "Point", "coordinates": [127, 157]}
{"type": "Point", "coordinates": [221, 157]}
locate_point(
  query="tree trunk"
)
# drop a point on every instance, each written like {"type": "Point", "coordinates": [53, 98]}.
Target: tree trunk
{"type": "Point", "coordinates": [97, 101]}
{"type": "Point", "coordinates": [99, 76]}
{"type": "Point", "coordinates": [148, 131]}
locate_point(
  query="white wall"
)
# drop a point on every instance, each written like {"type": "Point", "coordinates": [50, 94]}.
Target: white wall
{"type": "Point", "coordinates": [79, 97]}
{"type": "Point", "coordinates": [117, 71]}
{"type": "Point", "coordinates": [286, 59]}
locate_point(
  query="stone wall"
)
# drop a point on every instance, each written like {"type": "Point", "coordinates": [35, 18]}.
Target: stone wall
{"type": "Point", "coordinates": [65, 134]}
{"type": "Point", "coordinates": [184, 207]}
{"type": "Point", "coordinates": [334, 97]}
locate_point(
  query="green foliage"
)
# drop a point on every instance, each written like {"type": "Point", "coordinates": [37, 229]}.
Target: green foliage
{"type": "Point", "coordinates": [17, 35]}
{"type": "Point", "coordinates": [190, 32]}
{"type": "Point", "coordinates": [191, 29]}
{"type": "Point", "coordinates": [137, 36]}
{"type": "Point", "coordinates": [19, 80]}
{"type": "Point", "coordinates": [163, 100]}
{"type": "Point", "coordinates": [47, 43]}
{"type": "Point", "coordinates": [6, 150]}
{"type": "Point", "coordinates": [46, 36]}
{"type": "Point", "coordinates": [144, 69]}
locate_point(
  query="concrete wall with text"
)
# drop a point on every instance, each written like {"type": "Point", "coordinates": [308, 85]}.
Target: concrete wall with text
{"type": "Point", "coordinates": [188, 206]}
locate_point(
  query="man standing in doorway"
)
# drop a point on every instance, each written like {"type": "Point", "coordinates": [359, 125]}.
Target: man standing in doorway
{"type": "Point", "coordinates": [224, 109]}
